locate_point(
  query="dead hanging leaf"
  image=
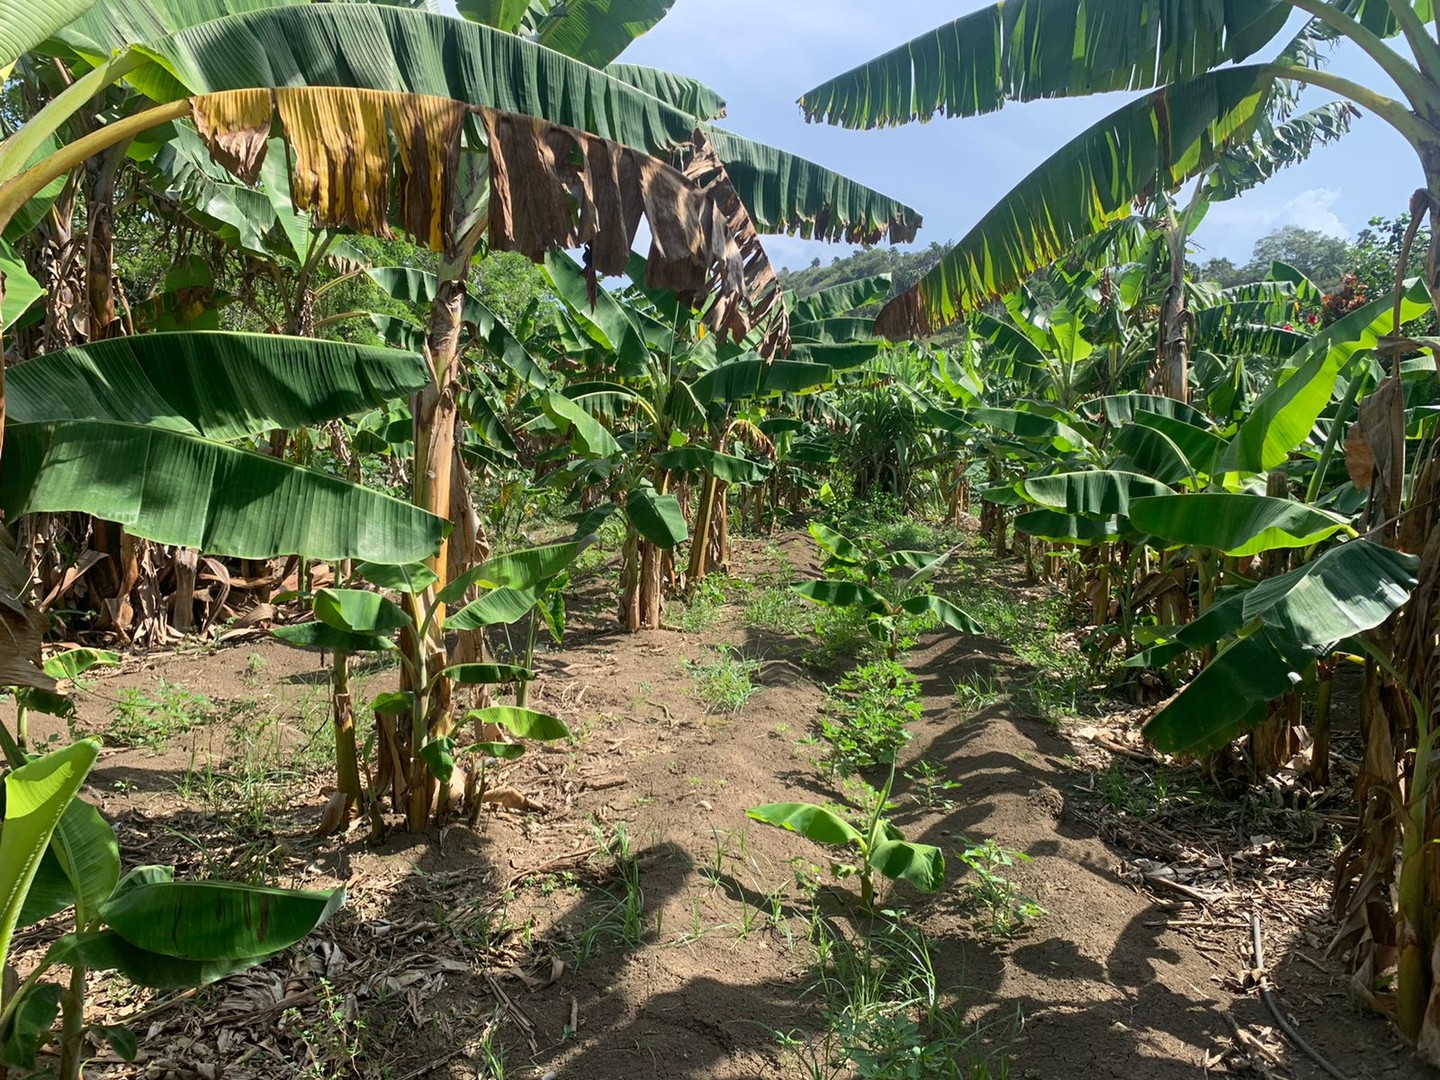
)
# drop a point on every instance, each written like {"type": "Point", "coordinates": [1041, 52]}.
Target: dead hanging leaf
{"type": "Point", "coordinates": [235, 125]}
{"type": "Point", "coordinates": [21, 626]}
{"type": "Point", "coordinates": [341, 171]}
{"type": "Point", "coordinates": [754, 280]}
{"type": "Point", "coordinates": [1359, 461]}
{"type": "Point", "coordinates": [904, 318]}
{"type": "Point", "coordinates": [550, 187]}
{"type": "Point", "coordinates": [554, 187]}
{"type": "Point", "coordinates": [1382, 425]}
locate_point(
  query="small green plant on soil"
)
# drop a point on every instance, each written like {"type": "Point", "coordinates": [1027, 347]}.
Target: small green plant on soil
{"type": "Point", "coordinates": [866, 716]}
{"type": "Point", "coordinates": [978, 692]}
{"type": "Point", "coordinates": [886, 1015]}
{"type": "Point", "coordinates": [333, 1039]}
{"type": "Point", "coordinates": [872, 843]}
{"type": "Point", "coordinates": [991, 892]}
{"type": "Point", "coordinates": [141, 718]}
{"type": "Point", "coordinates": [619, 920]}
{"type": "Point", "coordinates": [885, 585]}
{"type": "Point", "coordinates": [929, 787]}
{"type": "Point", "coordinates": [775, 610]}
{"type": "Point", "coordinates": [724, 679]}
{"type": "Point", "coordinates": [702, 610]}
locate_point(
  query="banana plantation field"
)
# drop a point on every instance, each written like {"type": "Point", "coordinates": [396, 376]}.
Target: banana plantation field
{"type": "Point", "coordinates": [467, 612]}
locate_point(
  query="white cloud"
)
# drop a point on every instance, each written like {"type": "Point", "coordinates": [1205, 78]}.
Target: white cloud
{"type": "Point", "coordinates": [1231, 229]}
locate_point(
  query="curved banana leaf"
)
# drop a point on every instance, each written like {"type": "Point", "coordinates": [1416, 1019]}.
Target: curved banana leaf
{"type": "Point", "coordinates": [726, 467]}
{"type": "Point", "coordinates": [36, 797]}
{"type": "Point", "coordinates": [1103, 493]}
{"type": "Point", "coordinates": [1144, 449]}
{"type": "Point", "coordinates": [595, 32]}
{"type": "Point", "coordinates": [1200, 447]}
{"type": "Point", "coordinates": [217, 385]}
{"type": "Point", "coordinates": [1121, 409]}
{"type": "Point", "coordinates": [498, 607]}
{"type": "Point", "coordinates": [1229, 695]}
{"type": "Point", "coordinates": [1029, 425]}
{"type": "Point", "coordinates": [317, 635]}
{"type": "Point", "coordinates": [88, 852]}
{"type": "Point", "coordinates": [506, 15]}
{"type": "Point", "coordinates": [1268, 152]}
{"type": "Point", "coordinates": [945, 611]}
{"type": "Point", "coordinates": [528, 569]}
{"type": "Point", "coordinates": [21, 290]}
{"type": "Point", "coordinates": [587, 435]}
{"type": "Point", "coordinates": [1070, 528]}
{"type": "Point", "coordinates": [1346, 591]}
{"type": "Point", "coordinates": [922, 865]}
{"type": "Point", "coordinates": [1153, 144]}
{"type": "Point", "coordinates": [751, 377]}
{"type": "Point", "coordinates": [522, 723]}
{"type": "Point", "coordinates": [686, 94]}
{"type": "Point", "coordinates": [106, 950]}
{"type": "Point", "coordinates": [355, 611]}
{"type": "Point", "coordinates": [26, 23]}
{"type": "Point", "coordinates": [190, 492]}
{"type": "Point", "coordinates": [216, 921]}
{"type": "Point", "coordinates": [1236, 524]}
{"type": "Point", "coordinates": [841, 549]}
{"type": "Point", "coordinates": [812, 822]}
{"type": "Point", "coordinates": [1284, 416]}
{"type": "Point", "coordinates": [842, 299]}
{"type": "Point", "coordinates": [656, 517]}
{"type": "Point", "coordinates": [1024, 50]}
{"type": "Point", "coordinates": [113, 25]}
{"type": "Point", "coordinates": [411, 580]}
{"type": "Point", "coordinates": [381, 47]}
{"type": "Point", "coordinates": [843, 594]}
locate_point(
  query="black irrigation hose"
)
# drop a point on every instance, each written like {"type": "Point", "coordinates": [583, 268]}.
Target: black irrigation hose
{"type": "Point", "coordinates": [1273, 1003]}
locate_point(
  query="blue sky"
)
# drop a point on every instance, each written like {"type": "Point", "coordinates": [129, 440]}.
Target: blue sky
{"type": "Point", "coordinates": [762, 54]}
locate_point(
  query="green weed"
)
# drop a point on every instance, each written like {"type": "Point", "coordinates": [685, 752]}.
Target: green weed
{"type": "Point", "coordinates": [151, 720]}
{"type": "Point", "coordinates": [930, 788]}
{"type": "Point", "coordinates": [724, 680]}
{"type": "Point", "coordinates": [776, 610]}
{"type": "Point", "coordinates": [866, 716]}
{"type": "Point", "coordinates": [995, 894]}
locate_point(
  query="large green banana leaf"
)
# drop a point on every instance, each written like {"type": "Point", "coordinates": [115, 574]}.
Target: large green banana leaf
{"type": "Point", "coordinates": [656, 517]}
{"type": "Point", "coordinates": [726, 467]}
{"type": "Point", "coordinates": [594, 32]}
{"type": "Point", "coordinates": [26, 23]}
{"type": "Point", "coordinates": [751, 377]}
{"type": "Point", "coordinates": [1102, 492]}
{"type": "Point", "coordinates": [114, 24]}
{"type": "Point", "coordinates": [1024, 50]}
{"type": "Point", "coordinates": [1284, 416]}
{"type": "Point", "coordinates": [528, 570]}
{"type": "Point", "coordinates": [1154, 143]}
{"type": "Point", "coordinates": [178, 489]}
{"type": "Point", "coordinates": [217, 385]}
{"type": "Point", "coordinates": [21, 290]}
{"type": "Point", "coordinates": [1267, 153]}
{"type": "Point", "coordinates": [1236, 524]}
{"type": "Point", "coordinates": [1061, 528]}
{"type": "Point", "coordinates": [1348, 590]}
{"type": "Point", "coordinates": [379, 47]}
{"type": "Point", "coordinates": [215, 921]}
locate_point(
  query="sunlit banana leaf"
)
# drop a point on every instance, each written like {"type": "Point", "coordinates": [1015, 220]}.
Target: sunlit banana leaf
{"type": "Point", "coordinates": [658, 518]}
{"type": "Point", "coordinates": [1236, 524]}
{"type": "Point", "coordinates": [1346, 591]}
{"type": "Point", "coordinates": [26, 23]}
{"type": "Point", "coordinates": [178, 489]}
{"type": "Point", "coordinates": [218, 385]}
{"type": "Point", "coordinates": [1061, 528]}
{"type": "Point", "coordinates": [380, 47]}
{"type": "Point", "coordinates": [1152, 144]}
{"type": "Point", "coordinates": [686, 94]}
{"type": "Point", "coordinates": [1023, 50]}
{"type": "Point", "coordinates": [1103, 493]}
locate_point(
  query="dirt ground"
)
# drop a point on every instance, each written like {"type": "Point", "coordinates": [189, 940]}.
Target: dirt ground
{"type": "Point", "coordinates": [510, 938]}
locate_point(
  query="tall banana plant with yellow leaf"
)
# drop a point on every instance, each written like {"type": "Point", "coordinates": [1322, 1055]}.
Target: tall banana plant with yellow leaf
{"type": "Point", "coordinates": [1209, 68]}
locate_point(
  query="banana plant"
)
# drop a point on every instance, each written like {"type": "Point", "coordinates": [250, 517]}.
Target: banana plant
{"type": "Point", "coordinates": [68, 665]}
{"type": "Point", "coordinates": [57, 854]}
{"type": "Point", "coordinates": [877, 846]}
{"type": "Point", "coordinates": [886, 586]}
{"type": "Point", "coordinates": [355, 621]}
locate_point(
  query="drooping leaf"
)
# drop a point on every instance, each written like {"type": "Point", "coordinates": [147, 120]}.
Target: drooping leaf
{"type": "Point", "coordinates": [658, 518]}
{"type": "Point", "coordinates": [1061, 528]}
{"type": "Point", "coordinates": [177, 489]}
{"type": "Point", "coordinates": [843, 594]}
{"type": "Point", "coordinates": [412, 579]}
{"type": "Point", "coordinates": [1102, 492]}
{"type": "Point", "coordinates": [498, 607]}
{"type": "Point", "coordinates": [356, 611]}
{"type": "Point", "coordinates": [686, 94]}
{"type": "Point", "coordinates": [26, 23]}
{"type": "Point", "coordinates": [108, 951]}
{"type": "Point", "coordinates": [949, 614]}
{"type": "Point", "coordinates": [1236, 524]}
{"type": "Point", "coordinates": [522, 723]}
{"type": "Point", "coordinates": [216, 921]}
{"type": "Point", "coordinates": [837, 545]}
{"type": "Point", "coordinates": [1348, 590]}
{"type": "Point", "coordinates": [36, 796]}
{"type": "Point", "coordinates": [221, 386]}
{"type": "Point", "coordinates": [316, 635]}
{"type": "Point", "coordinates": [812, 822]}
{"type": "Point", "coordinates": [726, 467]}
{"type": "Point", "coordinates": [922, 865]}
{"type": "Point", "coordinates": [527, 569]}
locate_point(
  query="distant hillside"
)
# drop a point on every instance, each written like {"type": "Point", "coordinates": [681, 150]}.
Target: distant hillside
{"type": "Point", "coordinates": [907, 267]}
